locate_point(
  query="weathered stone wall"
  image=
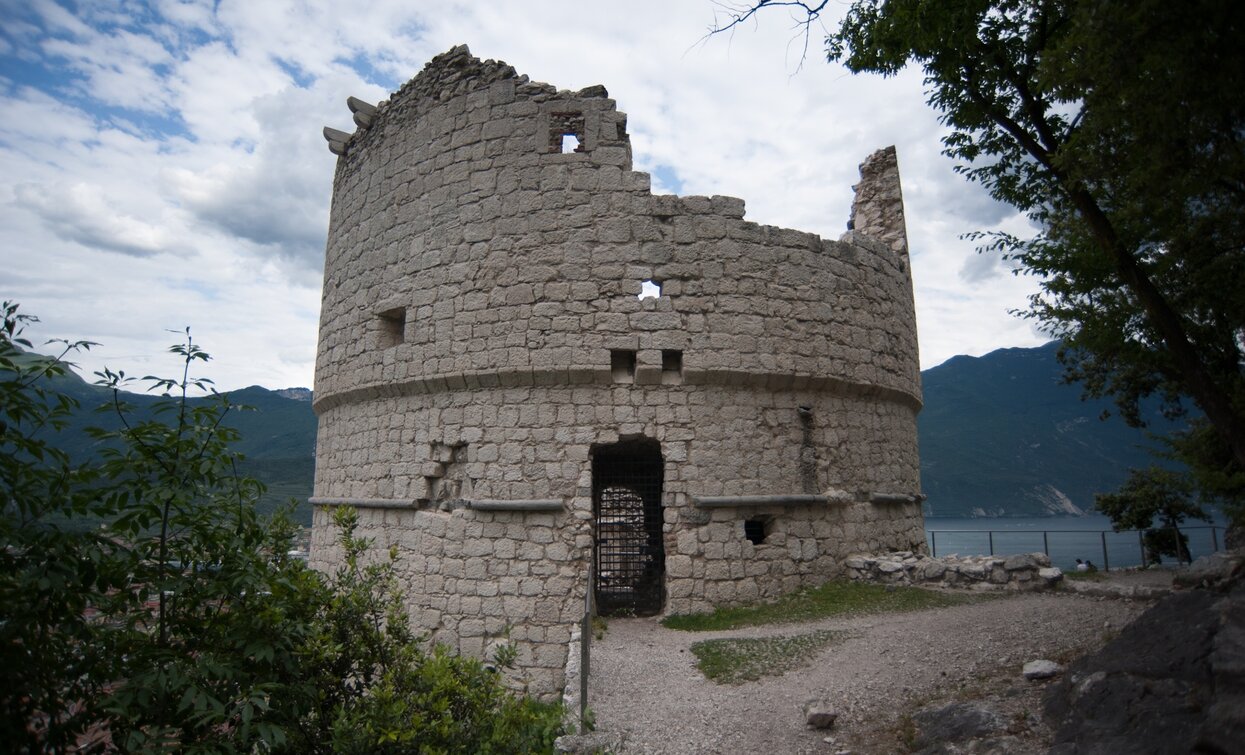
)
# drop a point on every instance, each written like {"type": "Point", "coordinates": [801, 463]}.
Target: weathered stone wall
{"type": "Point", "coordinates": [481, 337]}
{"type": "Point", "coordinates": [1022, 571]}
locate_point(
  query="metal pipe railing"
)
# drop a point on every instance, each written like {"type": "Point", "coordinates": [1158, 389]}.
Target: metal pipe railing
{"type": "Point", "coordinates": [1069, 541]}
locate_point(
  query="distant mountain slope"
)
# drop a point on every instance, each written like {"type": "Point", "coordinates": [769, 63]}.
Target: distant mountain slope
{"type": "Point", "coordinates": [278, 434]}
{"type": "Point", "coordinates": [1001, 435]}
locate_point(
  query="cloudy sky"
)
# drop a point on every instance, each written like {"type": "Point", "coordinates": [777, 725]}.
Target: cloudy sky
{"type": "Point", "coordinates": [163, 168]}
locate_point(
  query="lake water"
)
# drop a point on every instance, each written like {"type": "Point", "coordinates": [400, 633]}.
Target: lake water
{"type": "Point", "coordinates": [1065, 539]}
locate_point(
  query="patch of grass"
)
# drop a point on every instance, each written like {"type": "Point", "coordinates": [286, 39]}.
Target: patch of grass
{"type": "Point", "coordinates": [1085, 576]}
{"type": "Point", "coordinates": [838, 598]}
{"type": "Point", "coordinates": [906, 733]}
{"type": "Point", "coordinates": [734, 661]}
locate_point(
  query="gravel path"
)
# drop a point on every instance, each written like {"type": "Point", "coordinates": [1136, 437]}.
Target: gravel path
{"type": "Point", "coordinates": [645, 683]}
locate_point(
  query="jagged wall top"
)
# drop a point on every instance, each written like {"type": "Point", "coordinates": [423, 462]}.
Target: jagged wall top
{"type": "Point", "coordinates": [453, 198]}
{"type": "Point", "coordinates": [454, 72]}
{"type": "Point", "coordinates": [448, 75]}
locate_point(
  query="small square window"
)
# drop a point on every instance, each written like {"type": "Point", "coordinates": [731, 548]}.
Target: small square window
{"type": "Point", "coordinates": [391, 327]}
{"type": "Point", "coordinates": [672, 361]}
{"type": "Point", "coordinates": [756, 530]}
{"type": "Point", "coordinates": [622, 365]}
{"type": "Point", "coordinates": [650, 289]}
{"type": "Point", "coordinates": [566, 133]}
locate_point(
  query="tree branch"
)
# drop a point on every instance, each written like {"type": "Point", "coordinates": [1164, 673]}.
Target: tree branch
{"type": "Point", "coordinates": [737, 15]}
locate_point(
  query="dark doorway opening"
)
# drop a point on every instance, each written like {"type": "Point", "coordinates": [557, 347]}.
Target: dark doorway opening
{"type": "Point", "coordinates": [630, 559]}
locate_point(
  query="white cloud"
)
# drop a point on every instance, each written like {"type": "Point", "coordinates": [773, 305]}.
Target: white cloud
{"type": "Point", "coordinates": [80, 213]}
{"type": "Point", "coordinates": [170, 169]}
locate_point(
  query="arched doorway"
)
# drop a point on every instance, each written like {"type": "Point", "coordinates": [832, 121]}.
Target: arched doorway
{"type": "Point", "coordinates": [629, 558]}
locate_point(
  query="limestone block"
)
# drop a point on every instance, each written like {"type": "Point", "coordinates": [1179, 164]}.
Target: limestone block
{"type": "Point", "coordinates": [679, 566]}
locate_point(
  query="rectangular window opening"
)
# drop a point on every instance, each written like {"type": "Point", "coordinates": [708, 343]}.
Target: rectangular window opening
{"type": "Point", "coordinates": [671, 366]}
{"type": "Point", "coordinates": [757, 529]}
{"type": "Point", "coordinates": [566, 133]}
{"type": "Point", "coordinates": [622, 365]}
{"type": "Point", "coordinates": [391, 329]}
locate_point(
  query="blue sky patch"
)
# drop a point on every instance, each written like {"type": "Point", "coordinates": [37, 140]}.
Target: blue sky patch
{"type": "Point", "coordinates": [668, 178]}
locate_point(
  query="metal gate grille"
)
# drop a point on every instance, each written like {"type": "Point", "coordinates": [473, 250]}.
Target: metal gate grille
{"type": "Point", "coordinates": [630, 558]}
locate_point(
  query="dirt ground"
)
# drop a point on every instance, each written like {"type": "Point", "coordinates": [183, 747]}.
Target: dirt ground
{"type": "Point", "coordinates": [645, 683]}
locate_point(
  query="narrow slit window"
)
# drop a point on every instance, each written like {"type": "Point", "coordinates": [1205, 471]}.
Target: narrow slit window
{"type": "Point", "coordinates": [622, 365]}
{"type": "Point", "coordinates": [650, 289]}
{"type": "Point", "coordinates": [391, 329]}
{"type": "Point", "coordinates": [671, 367]}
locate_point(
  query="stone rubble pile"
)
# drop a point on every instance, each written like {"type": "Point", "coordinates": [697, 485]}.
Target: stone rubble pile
{"type": "Point", "coordinates": [1023, 571]}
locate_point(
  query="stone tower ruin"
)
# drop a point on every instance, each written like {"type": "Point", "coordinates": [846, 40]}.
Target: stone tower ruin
{"type": "Point", "coordinates": [534, 375]}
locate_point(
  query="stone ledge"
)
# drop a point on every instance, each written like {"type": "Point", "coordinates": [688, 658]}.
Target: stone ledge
{"type": "Point", "coordinates": [739, 501]}
{"type": "Point", "coordinates": [531, 504]}
{"type": "Point", "coordinates": [366, 503]}
{"type": "Point", "coordinates": [877, 497]}
{"type": "Point", "coordinates": [327, 399]}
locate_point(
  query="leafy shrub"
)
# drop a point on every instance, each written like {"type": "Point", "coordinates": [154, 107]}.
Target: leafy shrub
{"type": "Point", "coordinates": [145, 606]}
{"type": "Point", "coordinates": [377, 690]}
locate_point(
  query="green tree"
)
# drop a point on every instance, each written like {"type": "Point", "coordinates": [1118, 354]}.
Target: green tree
{"type": "Point", "coordinates": [49, 665]}
{"type": "Point", "coordinates": [1119, 129]}
{"type": "Point", "coordinates": [145, 604]}
{"type": "Point", "coordinates": [1154, 495]}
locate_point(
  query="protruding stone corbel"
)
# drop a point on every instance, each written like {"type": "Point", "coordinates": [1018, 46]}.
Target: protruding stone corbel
{"type": "Point", "coordinates": [337, 140]}
{"type": "Point", "coordinates": [879, 497]}
{"type": "Point", "coordinates": [364, 112]}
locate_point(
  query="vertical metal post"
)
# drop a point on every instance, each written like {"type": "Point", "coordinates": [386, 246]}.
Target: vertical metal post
{"type": "Point", "coordinates": [1106, 564]}
{"type": "Point", "coordinates": [1214, 540]}
{"type": "Point", "coordinates": [585, 656]}
{"type": "Point", "coordinates": [1045, 543]}
{"type": "Point", "coordinates": [933, 543]}
{"type": "Point", "coordinates": [991, 534]}
{"type": "Point", "coordinates": [1141, 543]}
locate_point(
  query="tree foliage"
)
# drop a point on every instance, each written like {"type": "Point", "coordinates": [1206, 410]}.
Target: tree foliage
{"type": "Point", "coordinates": [1154, 497]}
{"type": "Point", "coordinates": [146, 607]}
{"type": "Point", "coordinates": [1119, 128]}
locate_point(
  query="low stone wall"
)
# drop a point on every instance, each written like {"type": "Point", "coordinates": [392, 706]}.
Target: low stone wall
{"type": "Point", "coordinates": [1024, 571]}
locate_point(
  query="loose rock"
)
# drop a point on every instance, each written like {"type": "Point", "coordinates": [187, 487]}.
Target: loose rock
{"type": "Point", "coordinates": [819, 716]}
{"type": "Point", "coordinates": [1035, 670]}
